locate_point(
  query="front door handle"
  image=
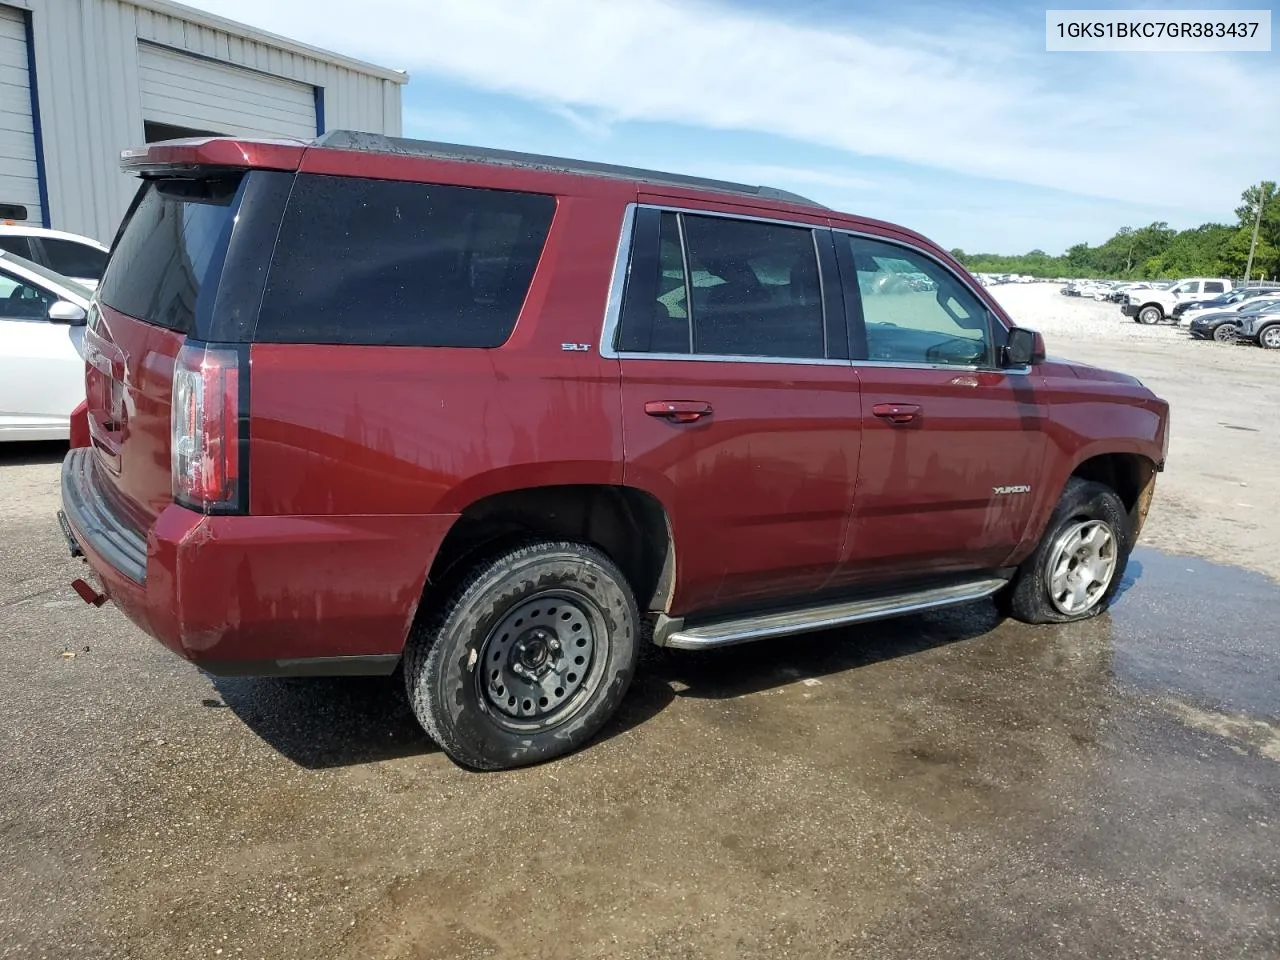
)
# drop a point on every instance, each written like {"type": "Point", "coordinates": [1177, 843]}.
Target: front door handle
{"type": "Point", "coordinates": [897, 412]}
{"type": "Point", "coordinates": [678, 411]}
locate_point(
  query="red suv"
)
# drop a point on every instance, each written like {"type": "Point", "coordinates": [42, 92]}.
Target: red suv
{"type": "Point", "coordinates": [363, 403]}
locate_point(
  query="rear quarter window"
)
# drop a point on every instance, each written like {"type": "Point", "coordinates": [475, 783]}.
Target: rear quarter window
{"type": "Point", "coordinates": [382, 262]}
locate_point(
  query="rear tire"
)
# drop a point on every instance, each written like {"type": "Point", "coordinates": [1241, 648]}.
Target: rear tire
{"type": "Point", "coordinates": [526, 658]}
{"type": "Point", "coordinates": [1149, 315]}
{"type": "Point", "coordinates": [1077, 568]}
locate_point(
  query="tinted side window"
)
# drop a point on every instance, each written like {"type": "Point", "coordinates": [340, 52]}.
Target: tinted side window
{"type": "Point", "coordinates": [655, 309]}
{"type": "Point", "coordinates": [755, 289]}
{"type": "Point", "coordinates": [15, 245]}
{"type": "Point", "coordinates": [413, 264]}
{"type": "Point", "coordinates": [73, 259]}
{"type": "Point", "coordinates": [1213, 286]}
{"type": "Point", "coordinates": [914, 310]}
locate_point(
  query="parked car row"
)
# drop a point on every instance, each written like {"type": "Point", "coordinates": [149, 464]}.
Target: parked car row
{"type": "Point", "coordinates": [1153, 306]}
{"type": "Point", "coordinates": [1215, 308]}
{"type": "Point", "coordinates": [1254, 319]}
{"type": "Point", "coordinates": [995, 279]}
{"type": "Point", "coordinates": [1113, 290]}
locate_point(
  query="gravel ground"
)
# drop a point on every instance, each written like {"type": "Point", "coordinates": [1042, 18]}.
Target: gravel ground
{"type": "Point", "coordinates": [934, 787]}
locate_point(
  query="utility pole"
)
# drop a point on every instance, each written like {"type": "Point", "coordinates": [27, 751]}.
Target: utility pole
{"type": "Point", "coordinates": [1263, 197]}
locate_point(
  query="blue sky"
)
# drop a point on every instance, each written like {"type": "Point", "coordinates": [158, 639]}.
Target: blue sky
{"type": "Point", "coordinates": [947, 117]}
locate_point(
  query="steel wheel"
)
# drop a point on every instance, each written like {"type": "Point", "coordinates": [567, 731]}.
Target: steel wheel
{"type": "Point", "coordinates": [541, 662]}
{"type": "Point", "coordinates": [1270, 337]}
{"type": "Point", "coordinates": [1149, 315]}
{"type": "Point", "coordinates": [1081, 566]}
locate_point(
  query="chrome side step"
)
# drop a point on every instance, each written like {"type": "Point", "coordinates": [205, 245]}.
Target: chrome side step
{"type": "Point", "coordinates": [673, 632]}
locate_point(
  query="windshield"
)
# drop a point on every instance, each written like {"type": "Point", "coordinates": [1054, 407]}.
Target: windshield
{"type": "Point", "coordinates": [57, 279]}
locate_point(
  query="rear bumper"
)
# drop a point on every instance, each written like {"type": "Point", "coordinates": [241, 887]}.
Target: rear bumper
{"type": "Point", "coordinates": [247, 595]}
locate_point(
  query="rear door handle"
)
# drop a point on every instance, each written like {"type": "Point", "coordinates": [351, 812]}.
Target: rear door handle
{"type": "Point", "coordinates": [678, 411]}
{"type": "Point", "coordinates": [897, 412]}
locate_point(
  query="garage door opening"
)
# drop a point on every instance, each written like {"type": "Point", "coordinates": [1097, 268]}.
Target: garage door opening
{"type": "Point", "coordinates": [198, 94]}
{"type": "Point", "coordinates": [154, 131]}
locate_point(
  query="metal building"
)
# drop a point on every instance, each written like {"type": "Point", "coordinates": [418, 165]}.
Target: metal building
{"type": "Point", "coordinates": [80, 80]}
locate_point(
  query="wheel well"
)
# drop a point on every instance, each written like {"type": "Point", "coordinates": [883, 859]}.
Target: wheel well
{"type": "Point", "coordinates": [629, 525]}
{"type": "Point", "coordinates": [1128, 474]}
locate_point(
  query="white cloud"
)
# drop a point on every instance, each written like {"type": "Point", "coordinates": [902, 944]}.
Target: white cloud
{"type": "Point", "coordinates": [954, 92]}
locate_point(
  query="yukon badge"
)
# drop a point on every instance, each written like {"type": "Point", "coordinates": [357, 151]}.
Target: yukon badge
{"type": "Point", "coordinates": [1015, 488]}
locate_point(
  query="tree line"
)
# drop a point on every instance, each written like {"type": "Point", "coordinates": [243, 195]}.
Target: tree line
{"type": "Point", "coordinates": [1158, 251]}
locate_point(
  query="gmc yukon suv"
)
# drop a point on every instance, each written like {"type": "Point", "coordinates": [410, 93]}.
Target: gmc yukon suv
{"type": "Point", "coordinates": [360, 405]}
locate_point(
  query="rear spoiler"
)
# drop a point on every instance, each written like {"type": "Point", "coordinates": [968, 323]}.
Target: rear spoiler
{"type": "Point", "coordinates": [198, 156]}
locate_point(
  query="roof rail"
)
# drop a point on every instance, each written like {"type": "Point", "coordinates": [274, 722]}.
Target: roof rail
{"type": "Point", "coordinates": [378, 143]}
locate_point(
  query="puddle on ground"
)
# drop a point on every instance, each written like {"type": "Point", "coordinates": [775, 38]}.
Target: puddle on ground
{"type": "Point", "coordinates": [1199, 630]}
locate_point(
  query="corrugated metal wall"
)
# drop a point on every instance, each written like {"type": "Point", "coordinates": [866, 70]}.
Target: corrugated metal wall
{"type": "Point", "coordinates": [90, 94]}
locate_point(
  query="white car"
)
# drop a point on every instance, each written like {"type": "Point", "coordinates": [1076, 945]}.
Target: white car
{"type": "Point", "coordinates": [82, 259]}
{"type": "Point", "coordinates": [42, 321]}
{"type": "Point", "coordinates": [1152, 306]}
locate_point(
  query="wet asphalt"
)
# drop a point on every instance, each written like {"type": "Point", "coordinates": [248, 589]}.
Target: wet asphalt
{"type": "Point", "coordinates": [946, 785]}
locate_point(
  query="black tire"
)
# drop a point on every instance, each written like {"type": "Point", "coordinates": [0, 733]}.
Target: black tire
{"type": "Point", "coordinates": [458, 705]}
{"type": "Point", "coordinates": [1269, 337]}
{"type": "Point", "coordinates": [1149, 314]}
{"type": "Point", "coordinates": [1224, 333]}
{"type": "Point", "coordinates": [1028, 595]}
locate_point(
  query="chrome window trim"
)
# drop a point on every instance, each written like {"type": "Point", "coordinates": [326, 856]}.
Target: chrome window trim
{"type": "Point", "coordinates": [687, 276]}
{"type": "Point", "coordinates": [781, 221]}
{"type": "Point", "coordinates": [722, 358]}
{"type": "Point", "coordinates": [962, 368]}
{"type": "Point", "coordinates": [822, 300]}
{"type": "Point", "coordinates": [618, 283]}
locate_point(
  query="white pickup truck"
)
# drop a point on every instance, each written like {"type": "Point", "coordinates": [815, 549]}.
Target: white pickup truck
{"type": "Point", "coordinates": [1152, 306]}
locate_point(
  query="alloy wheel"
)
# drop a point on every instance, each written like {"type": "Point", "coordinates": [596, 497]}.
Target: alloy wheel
{"type": "Point", "coordinates": [1081, 566]}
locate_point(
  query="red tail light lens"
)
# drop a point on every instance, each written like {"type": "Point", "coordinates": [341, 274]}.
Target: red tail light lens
{"type": "Point", "coordinates": [206, 428]}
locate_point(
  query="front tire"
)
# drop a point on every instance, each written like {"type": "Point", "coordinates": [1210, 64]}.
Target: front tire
{"type": "Point", "coordinates": [1077, 568]}
{"type": "Point", "coordinates": [1269, 337]}
{"type": "Point", "coordinates": [1149, 315]}
{"type": "Point", "coordinates": [527, 657]}
{"type": "Point", "coordinates": [1224, 333]}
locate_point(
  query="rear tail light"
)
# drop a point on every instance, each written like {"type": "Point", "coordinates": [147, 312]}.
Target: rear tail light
{"type": "Point", "coordinates": [209, 428]}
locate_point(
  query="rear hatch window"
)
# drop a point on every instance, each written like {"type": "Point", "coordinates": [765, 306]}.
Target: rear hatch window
{"type": "Point", "coordinates": [180, 236]}
{"type": "Point", "coordinates": [163, 258]}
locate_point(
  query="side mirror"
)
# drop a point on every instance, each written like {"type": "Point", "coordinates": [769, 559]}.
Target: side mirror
{"type": "Point", "coordinates": [1023, 348]}
{"type": "Point", "coordinates": [64, 311]}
